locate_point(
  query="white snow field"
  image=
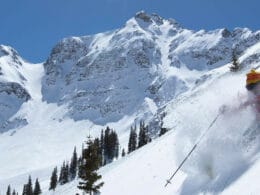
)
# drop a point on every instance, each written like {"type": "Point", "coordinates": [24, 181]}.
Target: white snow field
{"type": "Point", "coordinates": [151, 69]}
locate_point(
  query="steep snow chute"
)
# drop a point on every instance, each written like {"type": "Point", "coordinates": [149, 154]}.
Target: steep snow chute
{"type": "Point", "coordinates": [193, 148]}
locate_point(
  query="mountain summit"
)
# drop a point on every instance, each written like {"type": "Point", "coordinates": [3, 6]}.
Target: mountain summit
{"type": "Point", "coordinates": [106, 76]}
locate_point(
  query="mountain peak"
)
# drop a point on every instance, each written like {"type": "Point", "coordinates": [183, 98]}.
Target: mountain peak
{"type": "Point", "coordinates": [12, 54]}
{"type": "Point", "coordinates": [145, 19]}
{"type": "Point", "coordinates": [142, 15]}
{"type": "Point", "coordinates": [7, 50]}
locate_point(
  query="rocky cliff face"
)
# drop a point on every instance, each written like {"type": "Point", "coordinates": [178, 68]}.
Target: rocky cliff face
{"type": "Point", "coordinates": [106, 76]}
{"type": "Point", "coordinates": [12, 91]}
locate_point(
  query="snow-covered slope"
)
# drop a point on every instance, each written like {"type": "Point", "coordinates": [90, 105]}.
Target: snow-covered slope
{"type": "Point", "coordinates": [151, 69]}
{"type": "Point", "coordinates": [225, 162]}
{"type": "Point", "coordinates": [12, 88]}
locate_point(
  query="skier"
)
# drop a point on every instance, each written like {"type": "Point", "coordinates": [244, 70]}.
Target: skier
{"type": "Point", "coordinates": [253, 86]}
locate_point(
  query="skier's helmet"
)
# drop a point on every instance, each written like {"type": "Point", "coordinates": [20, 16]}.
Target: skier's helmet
{"type": "Point", "coordinates": [253, 79]}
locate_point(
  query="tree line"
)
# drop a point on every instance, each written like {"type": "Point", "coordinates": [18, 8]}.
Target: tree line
{"type": "Point", "coordinates": [95, 153]}
{"type": "Point", "coordinates": [28, 188]}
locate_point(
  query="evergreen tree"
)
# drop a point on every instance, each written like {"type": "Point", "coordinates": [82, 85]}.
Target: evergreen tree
{"type": "Point", "coordinates": [14, 192]}
{"type": "Point", "coordinates": [54, 179]}
{"type": "Point", "coordinates": [37, 188]}
{"type": "Point", "coordinates": [162, 131]}
{"type": "Point", "coordinates": [107, 146]}
{"type": "Point", "coordinates": [99, 147]}
{"type": "Point", "coordinates": [143, 135]}
{"type": "Point", "coordinates": [89, 167]}
{"type": "Point", "coordinates": [123, 152]}
{"type": "Point", "coordinates": [102, 147]}
{"type": "Point", "coordinates": [61, 177]}
{"type": "Point", "coordinates": [29, 186]}
{"type": "Point", "coordinates": [102, 139]}
{"type": "Point", "coordinates": [8, 192]}
{"type": "Point", "coordinates": [111, 145]}
{"type": "Point", "coordinates": [116, 145]}
{"type": "Point", "coordinates": [235, 65]}
{"type": "Point", "coordinates": [80, 161]}
{"type": "Point", "coordinates": [73, 165]}
{"type": "Point", "coordinates": [64, 173]}
{"type": "Point", "coordinates": [132, 140]}
{"type": "Point", "coordinates": [24, 189]}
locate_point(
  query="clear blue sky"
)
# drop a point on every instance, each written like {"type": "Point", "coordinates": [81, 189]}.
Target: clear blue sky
{"type": "Point", "coordinates": [33, 27]}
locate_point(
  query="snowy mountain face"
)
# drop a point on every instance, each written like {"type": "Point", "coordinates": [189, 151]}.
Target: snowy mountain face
{"type": "Point", "coordinates": [12, 91]}
{"type": "Point", "coordinates": [107, 76]}
{"type": "Point", "coordinates": [151, 69]}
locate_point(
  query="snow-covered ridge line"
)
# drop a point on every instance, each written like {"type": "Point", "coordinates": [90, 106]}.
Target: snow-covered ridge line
{"type": "Point", "coordinates": [147, 47]}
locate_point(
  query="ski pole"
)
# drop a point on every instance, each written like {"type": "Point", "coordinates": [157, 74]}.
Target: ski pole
{"type": "Point", "coordinates": [191, 151]}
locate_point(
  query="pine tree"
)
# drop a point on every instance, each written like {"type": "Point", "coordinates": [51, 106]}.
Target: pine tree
{"type": "Point", "coordinates": [143, 135]}
{"type": "Point", "coordinates": [14, 192]}
{"type": "Point", "coordinates": [73, 165]}
{"type": "Point", "coordinates": [29, 186]}
{"type": "Point", "coordinates": [116, 145]}
{"type": "Point", "coordinates": [64, 173]}
{"type": "Point", "coordinates": [162, 131]}
{"type": "Point", "coordinates": [123, 152]}
{"type": "Point", "coordinates": [132, 140]}
{"type": "Point", "coordinates": [107, 147]}
{"type": "Point", "coordinates": [54, 179]}
{"type": "Point", "coordinates": [80, 161]}
{"type": "Point", "coordinates": [24, 189]}
{"type": "Point", "coordinates": [102, 147]}
{"type": "Point", "coordinates": [235, 65]}
{"type": "Point", "coordinates": [8, 192]}
{"type": "Point", "coordinates": [98, 145]}
{"type": "Point", "coordinates": [102, 139]}
{"type": "Point", "coordinates": [113, 147]}
{"type": "Point", "coordinates": [61, 177]}
{"type": "Point", "coordinates": [134, 144]}
{"type": "Point", "coordinates": [37, 188]}
{"type": "Point", "coordinates": [89, 167]}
